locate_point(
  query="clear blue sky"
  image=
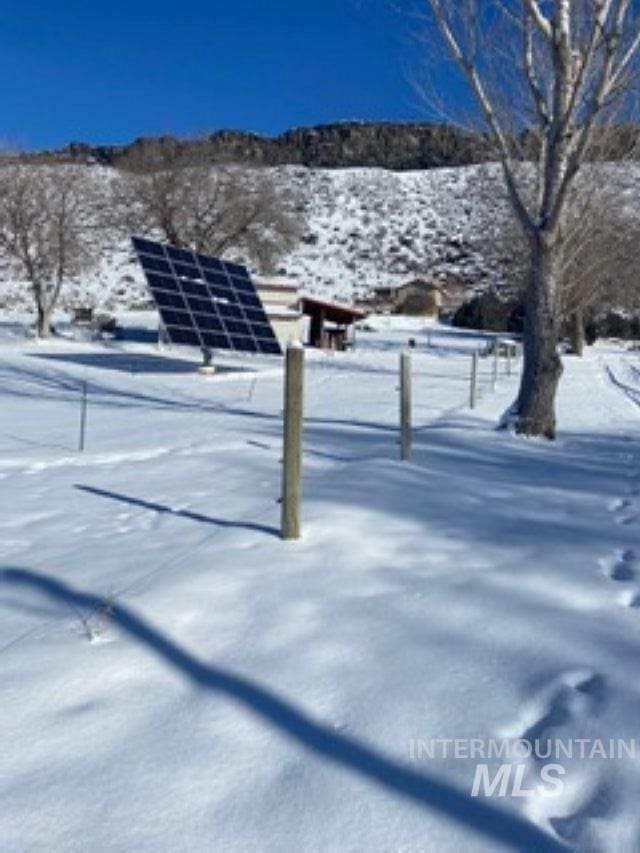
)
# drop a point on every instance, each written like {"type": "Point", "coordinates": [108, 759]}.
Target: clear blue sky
{"type": "Point", "coordinates": [107, 72]}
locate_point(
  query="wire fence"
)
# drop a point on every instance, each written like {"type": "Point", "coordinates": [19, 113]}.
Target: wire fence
{"type": "Point", "coordinates": [74, 413]}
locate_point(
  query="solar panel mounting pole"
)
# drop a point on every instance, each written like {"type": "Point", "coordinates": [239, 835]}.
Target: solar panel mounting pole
{"type": "Point", "coordinates": [207, 367]}
{"type": "Point", "coordinates": [292, 457]}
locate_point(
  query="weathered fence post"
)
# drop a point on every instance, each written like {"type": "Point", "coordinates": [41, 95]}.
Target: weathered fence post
{"type": "Point", "coordinates": [292, 457]}
{"type": "Point", "coordinates": [508, 348]}
{"type": "Point", "coordinates": [83, 416]}
{"type": "Point", "coordinates": [496, 363]}
{"type": "Point", "coordinates": [405, 406]}
{"type": "Point", "coordinates": [473, 389]}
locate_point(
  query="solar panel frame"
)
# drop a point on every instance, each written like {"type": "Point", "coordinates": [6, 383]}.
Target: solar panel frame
{"type": "Point", "coordinates": [204, 301]}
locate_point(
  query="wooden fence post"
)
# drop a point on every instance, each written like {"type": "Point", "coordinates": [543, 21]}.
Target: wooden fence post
{"type": "Point", "coordinates": [405, 406]}
{"type": "Point", "coordinates": [83, 416]}
{"type": "Point", "coordinates": [473, 390]}
{"type": "Point", "coordinates": [292, 457]}
{"type": "Point", "coordinates": [496, 363]}
{"type": "Point", "coordinates": [508, 346]}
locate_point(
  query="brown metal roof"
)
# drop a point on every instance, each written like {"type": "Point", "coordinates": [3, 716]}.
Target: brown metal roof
{"type": "Point", "coordinates": [334, 312]}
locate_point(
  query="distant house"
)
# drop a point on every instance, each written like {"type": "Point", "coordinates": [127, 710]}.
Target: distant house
{"type": "Point", "coordinates": [280, 300]}
{"type": "Point", "coordinates": [419, 297]}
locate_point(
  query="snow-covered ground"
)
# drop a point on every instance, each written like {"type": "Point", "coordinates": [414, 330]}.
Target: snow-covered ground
{"type": "Point", "coordinates": [175, 677]}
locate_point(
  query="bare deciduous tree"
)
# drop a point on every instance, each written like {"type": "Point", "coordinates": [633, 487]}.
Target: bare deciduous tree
{"type": "Point", "coordinates": [44, 220]}
{"type": "Point", "coordinates": [548, 79]}
{"type": "Point", "coordinates": [213, 209]}
{"type": "Point", "coordinates": [599, 255]}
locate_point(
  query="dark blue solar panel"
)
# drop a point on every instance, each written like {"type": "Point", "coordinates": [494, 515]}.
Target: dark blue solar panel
{"type": "Point", "coordinates": [217, 278]}
{"type": "Point", "coordinates": [242, 284]}
{"type": "Point", "coordinates": [199, 306]}
{"type": "Point", "coordinates": [214, 340]}
{"type": "Point", "coordinates": [250, 300]}
{"type": "Point", "coordinates": [209, 323]}
{"type": "Point", "coordinates": [166, 299]}
{"type": "Point", "coordinates": [195, 288]}
{"type": "Point", "coordinates": [155, 264]}
{"type": "Point", "coordinates": [244, 343]}
{"type": "Point", "coordinates": [208, 263]}
{"type": "Point", "coordinates": [160, 282]}
{"type": "Point", "coordinates": [235, 269]}
{"type": "Point", "coordinates": [237, 327]}
{"type": "Point", "coordinates": [176, 318]}
{"type": "Point", "coordinates": [220, 293]}
{"type": "Point", "coordinates": [186, 270]}
{"type": "Point", "coordinates": [205, 302]}
{"type": "Point", "coordinates": [233, 312]}
{"type": "Point", "coordinates": [255, 315]}
{"type": "Point", "coordinates": [189, 337]}
{"type": "Point", "coordinates": [148, 247]}
{"type": "Point", "coordinates": [183, 255]}
{"type": "Point", "coordinates": [271, 347]}
{"type": "Point", "coordinates": [262, 331]}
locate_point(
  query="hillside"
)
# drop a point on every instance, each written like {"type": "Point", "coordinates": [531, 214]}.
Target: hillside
{"type": "Point", "coordinates": [361, 228]}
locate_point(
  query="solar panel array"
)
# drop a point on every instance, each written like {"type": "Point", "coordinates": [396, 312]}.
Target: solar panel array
{"type": "Point", "coordinates": [205, 302]}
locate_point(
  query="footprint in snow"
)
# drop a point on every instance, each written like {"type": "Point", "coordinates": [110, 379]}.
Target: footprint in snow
{"type": "Point", "coordinates": [574, 827]}
{"type": "Point", "coordinates": [572, 694]}
{"type": "Point", "coordinates": [630, 598]}
{"type": "Point", "coordinates": [622, 566]}
{"type": "Point", "coordinates": [562, 708]}
{"type": "Point", "coordinates": [619, 504]}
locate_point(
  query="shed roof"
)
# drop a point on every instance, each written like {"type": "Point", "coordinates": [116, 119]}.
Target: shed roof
{"type": "Point", "coordinates": [334, 312]}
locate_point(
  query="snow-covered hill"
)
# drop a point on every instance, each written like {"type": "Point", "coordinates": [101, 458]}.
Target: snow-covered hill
{"type": "Point", "coordinates": [361, 228]}
{"type": "Point", "coordinates": [371, 227]}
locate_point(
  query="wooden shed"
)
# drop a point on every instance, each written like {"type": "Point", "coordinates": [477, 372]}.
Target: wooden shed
{"type": "Point", "coordinates": [329, 322]}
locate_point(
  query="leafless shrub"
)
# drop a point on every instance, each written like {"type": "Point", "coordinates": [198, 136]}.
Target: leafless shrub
{"type": "Point", "coordinates": [44, 221]}
{"type": "Point", "coordinates": [221, 210]}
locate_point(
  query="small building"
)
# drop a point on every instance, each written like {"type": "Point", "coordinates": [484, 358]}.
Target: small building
{"type": "Point", "coordinates": [280, 300]}
{"type": "Point", "coordinates": [419, 297]}
{"type": "Point", "coordinates": [330, 323]}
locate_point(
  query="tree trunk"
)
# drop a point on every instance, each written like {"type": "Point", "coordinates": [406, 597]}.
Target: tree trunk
{"type": "Point", "coordinates": [542, 369]}
{"type": "Point", "coordinates": [44, 327]}
{"type": "Point", "coordinates": [576, 332]}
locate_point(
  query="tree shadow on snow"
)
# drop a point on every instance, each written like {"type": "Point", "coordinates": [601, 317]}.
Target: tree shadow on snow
{"type": "Point", "coordinates": [346, 752]}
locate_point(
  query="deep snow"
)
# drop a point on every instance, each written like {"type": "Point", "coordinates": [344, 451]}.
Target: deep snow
{"type": "Point", "coordinates": [174, 677]}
